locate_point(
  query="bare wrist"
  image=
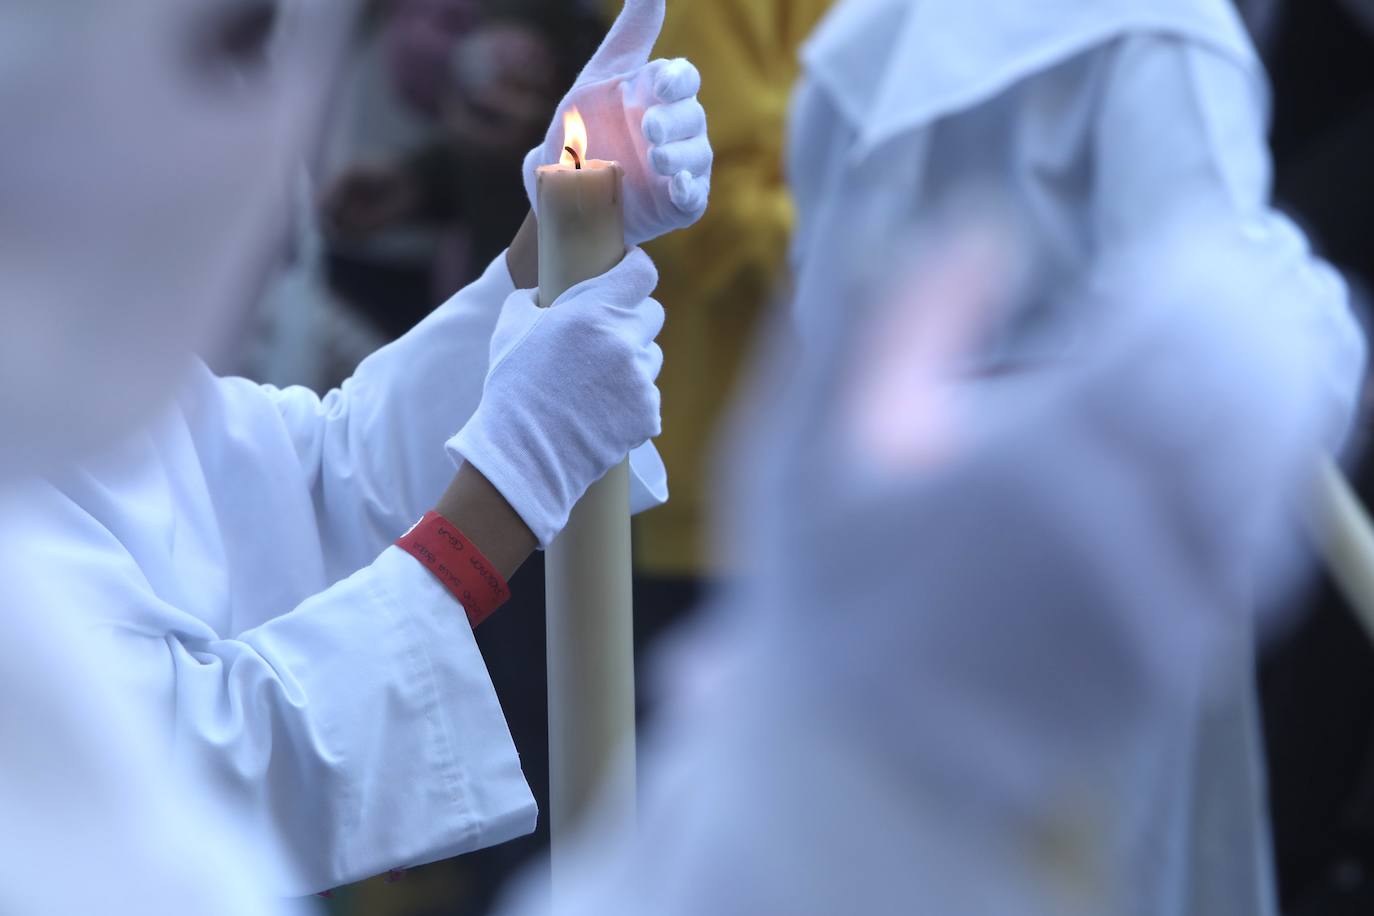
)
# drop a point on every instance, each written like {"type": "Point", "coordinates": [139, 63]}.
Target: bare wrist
{"type": "Point", "coordinates": [477, 508]}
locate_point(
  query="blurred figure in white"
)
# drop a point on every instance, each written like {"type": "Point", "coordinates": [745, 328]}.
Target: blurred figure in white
{"type": "Point", "coordinates": [138, 205]}
{"type": "Point", "coordinates": [1098, 125]}
{"type": "Point", "coordinates": [95, 818]}
{"type": "Point", "coordinates": [1028, 682]}
{"type": "Point", "coordinates": [236, 542]}
{"type": "Point", "coordinates": [962, 670]}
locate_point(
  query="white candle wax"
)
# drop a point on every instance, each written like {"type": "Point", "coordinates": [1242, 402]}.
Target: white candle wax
{"type": "Point", "coordinates": [588, 602]}
{"type": "Point", "coordinates": [581, 224]}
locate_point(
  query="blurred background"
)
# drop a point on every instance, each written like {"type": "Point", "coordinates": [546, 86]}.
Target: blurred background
{"type": "Point", "coordinates": [418, 188]}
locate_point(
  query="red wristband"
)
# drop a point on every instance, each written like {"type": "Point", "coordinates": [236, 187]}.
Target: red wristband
{"type": "Point", "coordinates": [457, 564]}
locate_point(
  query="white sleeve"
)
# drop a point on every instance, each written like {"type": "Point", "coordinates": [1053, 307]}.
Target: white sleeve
{"type": "Point", "coordinates": [373, 449]}
{"type": "Point", "coordinates": [92, 822]}
{"type": "Point", "coordinates": [357, 733]}
{"type": "Point", "coordinates": [1181, 136]}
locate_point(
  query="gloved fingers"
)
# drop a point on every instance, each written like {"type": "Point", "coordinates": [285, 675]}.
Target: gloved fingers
{"type": "Point", "coordinates": [646, 406]}
{"type": "Point", "coordinates": [632, 281]}
{"type": "Point", "coordinates": [533, 159]}
{"type": "Point", "coordinates": [651, 361]}
{"type": "Point", "coordinates": [675, 80]}
{"type": "Point", "coordinates": [638, 324]}
{"type": "Point", "coordinates": [651, 317]}
{"type": "Point", "coordinates": [656, 409]}
{"type": "Point", "coordinates": [689, 193]}
{"type": "Point", "coordinates": [629, 42]}
{"type": "Point", "coordinates": [693, 155]}
{"type": "Point", "coordinates": [520, 315]}
{"type": "Point", "coordinates": [624, 286]}
{"type": "Point", "coordinates": [674, 121]}
{"type": "Point", "coordinates": [543, 154]}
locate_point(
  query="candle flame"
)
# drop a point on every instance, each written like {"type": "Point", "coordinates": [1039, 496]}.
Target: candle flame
{"type": "Point", "coordinates": [574, 139]}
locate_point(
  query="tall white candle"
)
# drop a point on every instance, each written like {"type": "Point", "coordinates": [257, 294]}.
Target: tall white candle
{"type": "Point", "coordinates": [1345, 537]}
{"type": "Point", "coordinates": [588, 577]}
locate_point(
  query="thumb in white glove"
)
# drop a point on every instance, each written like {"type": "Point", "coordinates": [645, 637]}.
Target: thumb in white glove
{"type": "Point", "coordinates": [569, 394]}
{"type": "Point", "coordinates": [644, 115]}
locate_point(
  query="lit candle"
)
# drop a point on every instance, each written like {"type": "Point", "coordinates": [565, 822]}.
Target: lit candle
{"type": "Point", "coordinates": [587, 568]}
{"type": "Point", "coordinates": [581, 215]}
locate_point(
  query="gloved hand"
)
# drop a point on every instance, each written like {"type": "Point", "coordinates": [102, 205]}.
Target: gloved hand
{"type": "Point", "coordinates": [646, 117]}
{"type": "Point", "coordinates": [569, 394]}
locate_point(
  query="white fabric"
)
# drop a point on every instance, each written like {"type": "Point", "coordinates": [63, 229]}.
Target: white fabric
{"type": "Point", "coordinates": [95, 820]}
{"type": "Point", "coordinates": [319, 680]}
{"type": "Point", "coordinates": [138, 212]}
{"type": "Point", "coordinates": [1094, 126]}
{"type": "Point", "coordinates": [895, 66]}
{"type": "Point", "coordinates": [644, 115]}
{"type": "Point", "coordinates": [1022, 678]}
{"type": "Point", "coordinates": [958, 686]}
{"type": "Point", "coordinates": [570, 392]}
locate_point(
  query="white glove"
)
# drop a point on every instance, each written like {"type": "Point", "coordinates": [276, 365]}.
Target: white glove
{"type": "Point", "coordinates": [569, 394]}
{"type": "Point", "coordinates": [646, 117]}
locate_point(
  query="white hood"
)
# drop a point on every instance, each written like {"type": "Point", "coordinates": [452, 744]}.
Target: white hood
{"type": "Point", "coordinates": [892, 66]}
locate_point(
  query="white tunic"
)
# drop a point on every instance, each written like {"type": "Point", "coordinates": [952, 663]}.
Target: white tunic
{"type": "Point", "coordinates": [1060, 608]}
{"type": "Point", "coordinates": [237, 555]}
{"type": "Point", "coordinates": [981, 684]}
{"type": "Point", "coordinates": [1093, 124]}
{"type": "Point", "coordinates": [94, 818]}
{"type": "Point", "coordinates": [1096, 126]}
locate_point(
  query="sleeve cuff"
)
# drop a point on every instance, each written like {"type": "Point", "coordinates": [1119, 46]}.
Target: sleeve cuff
{"type": "Point", "coordinates": [475, 759]}
{"type": "Point", "coordinates": [408, 751]}
{"type": "Point", "coordinates": [648, 479]}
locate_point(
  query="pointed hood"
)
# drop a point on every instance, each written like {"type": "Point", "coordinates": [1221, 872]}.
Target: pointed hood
{"type": "Point", "coordinates": [892, 66]}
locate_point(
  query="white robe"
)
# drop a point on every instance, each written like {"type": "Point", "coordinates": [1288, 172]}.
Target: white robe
{"type": "Point", "coordinates": [1096, 127]}
{"type": "Point", "coordinates": [317, 679]}
{"type": "Point", "coordinates": [1062, 601]}
{"type": "Point", "coordinates": [94, 818]}
{"type": "Point", "coordinates": [964, 685]}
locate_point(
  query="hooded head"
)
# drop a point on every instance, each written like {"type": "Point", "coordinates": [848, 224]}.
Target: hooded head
{"type": "Point", "coordinates": [149, 149]}
{"type": "Point", "coordinates": [894, 66]}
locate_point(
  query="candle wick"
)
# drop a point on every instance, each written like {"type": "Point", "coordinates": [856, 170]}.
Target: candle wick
{"type": "Point", "coordinates": [577, 160]}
